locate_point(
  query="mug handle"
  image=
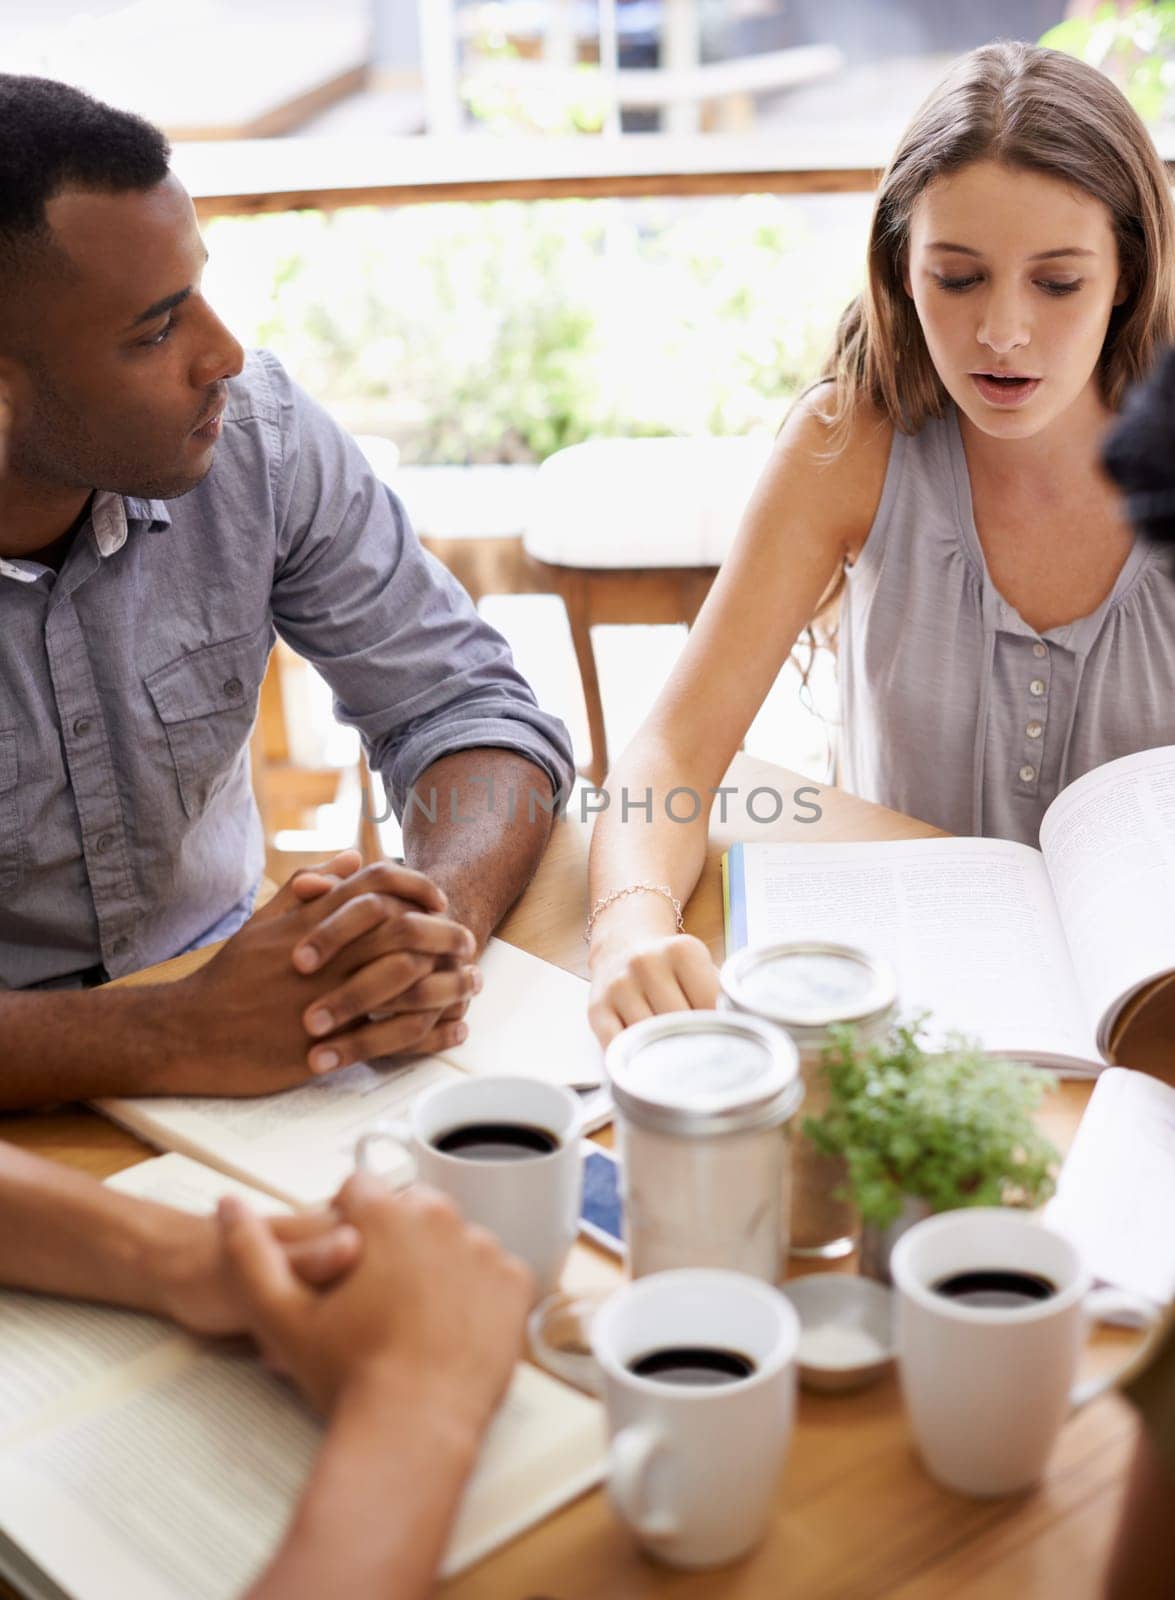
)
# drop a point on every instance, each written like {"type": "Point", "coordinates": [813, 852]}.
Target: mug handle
{"type": "Point", "coordinates": [398, 1134]}
{"type": "Point", "coordinates": [630, 1455]}
{"type": "Point", "coordinates": [577, 1367]}
{"type": "Point", "coordinates": [1108, 1304]}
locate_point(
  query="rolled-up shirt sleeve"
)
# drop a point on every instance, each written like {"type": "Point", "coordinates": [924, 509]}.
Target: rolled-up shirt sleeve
{"type": "Point", "coordinates": [410, 662]}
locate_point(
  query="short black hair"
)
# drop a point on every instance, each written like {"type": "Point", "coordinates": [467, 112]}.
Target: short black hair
{"type": "Point", "coordinates": [1139, 454]}
{"type": "Point", "coordinates": [53, 137]}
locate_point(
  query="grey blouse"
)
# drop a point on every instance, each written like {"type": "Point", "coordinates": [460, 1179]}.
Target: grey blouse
{"type": "Point", "coordinates": [952, 708]}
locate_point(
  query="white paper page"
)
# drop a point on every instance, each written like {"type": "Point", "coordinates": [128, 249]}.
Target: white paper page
{"type": "Point", "coordinates": [25, 1576]}
{"type": "Point", "coordinates": [174, 1180]}
{"type": "Point", "coordinates": [299, 1145]}
{"type": "Point", "coordinates": [530, 1018]}
{"type": "Point", "coordinates": [50, 1347]}
{"type": "Point", "coordinates": [548, 1444]}
{"type": "Point", "coordinates": [1109, 843]}
{"type": "Point", "coordinates": [1115, 1196]}
{"type": "Point", "coordinates": [970, 925]}
{"type": "Point", "coordinates": [182, 1491]}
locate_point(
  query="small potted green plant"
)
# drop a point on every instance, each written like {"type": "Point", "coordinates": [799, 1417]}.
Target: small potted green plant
{"type": "Point", "coordinates": [924, 1132]}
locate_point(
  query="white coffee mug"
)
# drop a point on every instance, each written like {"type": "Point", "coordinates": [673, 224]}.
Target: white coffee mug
{"type": "Point", "coordinates": [692, 1471]}
{"type": "Point", "coordinates": [987, 1389]}
{"type": "Point", "coordinates": [532, 1204]}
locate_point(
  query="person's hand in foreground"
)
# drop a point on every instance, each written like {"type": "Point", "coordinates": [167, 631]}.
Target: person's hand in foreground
{"type": "Point", "coordinates": [409, 1355]}
{"type": "Point", "coordinates": [65, 1233]}
{"type": "Point", "coordinates": [199, 1290]}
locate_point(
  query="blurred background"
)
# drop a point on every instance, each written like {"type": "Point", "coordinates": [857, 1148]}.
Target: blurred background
{"type": "Point", "coordinates": [469, 342]}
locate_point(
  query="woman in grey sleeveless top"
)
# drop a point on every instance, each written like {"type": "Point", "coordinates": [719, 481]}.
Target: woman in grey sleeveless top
{"type": "Point", "coordinates": [1000, 632]}
{"type": "Point", "coordinates": [953, 708]}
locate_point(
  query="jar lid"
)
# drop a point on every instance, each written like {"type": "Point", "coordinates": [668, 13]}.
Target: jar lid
{"type": "Point", "coordinates": [807, 984]}
{"type": "Point", "coordinates": [698, 1073]}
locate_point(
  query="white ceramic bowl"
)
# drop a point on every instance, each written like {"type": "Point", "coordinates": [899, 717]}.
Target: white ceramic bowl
{"type": "Point", "coordinates": [847, 1335]}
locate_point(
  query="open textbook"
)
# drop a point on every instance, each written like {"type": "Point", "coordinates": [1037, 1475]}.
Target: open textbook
{"type": "Point", "coordinates": [1036, 953]}
{"type": "Point", "coordinates": [530, 1018]}
{"type": "Point", "coordinates": [136, 1462]}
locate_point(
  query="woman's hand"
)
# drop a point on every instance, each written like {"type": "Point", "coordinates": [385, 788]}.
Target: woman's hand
{"type": "Point", "coordinates": [647, 977]}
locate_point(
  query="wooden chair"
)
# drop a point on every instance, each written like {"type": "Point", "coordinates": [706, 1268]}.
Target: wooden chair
{"type": "Point", "coordinates": [496, 566]}
{"type": "Point", "coordinates": [633, 531]}
{"type": "Point", "coordinates": [288, 792]}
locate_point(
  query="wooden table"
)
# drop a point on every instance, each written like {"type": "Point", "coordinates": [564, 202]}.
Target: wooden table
{"type": "Point", "coordinates": [858, 1519]}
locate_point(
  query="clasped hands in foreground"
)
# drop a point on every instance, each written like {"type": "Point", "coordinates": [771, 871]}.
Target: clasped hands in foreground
{"type": "Point", "coordinates": [386, 1288]}
{"type": "Point", "coordinates": [344, 964]}
{"type": "Point", "coordinates": [402, 1324]}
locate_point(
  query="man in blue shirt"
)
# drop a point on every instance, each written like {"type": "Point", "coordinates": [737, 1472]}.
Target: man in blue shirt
{"type": "Point", "coordinates": [171, 505]}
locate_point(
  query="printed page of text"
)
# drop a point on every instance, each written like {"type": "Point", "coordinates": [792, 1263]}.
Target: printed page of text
{"type": "Point", "coordinates": [299, 1145]}
{"type": "Point", "coordinates": [1109, 844]}
{"type": "Point", "coordinates": [175, 1180]}
{"type": "Point", "coordinates": [182, 1489]}
{"type": "Point", "coordinates": [970, 925]}
{"type": "Point", "coordinates": [49, 1348]}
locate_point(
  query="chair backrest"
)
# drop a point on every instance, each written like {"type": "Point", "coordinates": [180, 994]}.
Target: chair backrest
{"type": "Point", "coordinates": [643, 502]}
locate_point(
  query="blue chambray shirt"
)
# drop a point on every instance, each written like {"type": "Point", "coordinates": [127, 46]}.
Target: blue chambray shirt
{"type": "Point", "coordinates": [129, 685]}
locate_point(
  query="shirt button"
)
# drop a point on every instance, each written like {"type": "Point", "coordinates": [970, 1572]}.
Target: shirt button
{"type": "Point", "coordinates": [1027, 774]}
{"type": "Point", "coordinates": [120, 947]}
{"type": "Point", "coordinates": [1034, 730]}
{"type": "Point", "coordinates": [1040, 651]}
{"type": "Point", "coordinates": [81, 727]}
{"type": "Point", "coordinates": [232, 687]}
{"type": "Point", "coordinates": [1037, 686]}
{"type": "Point", "coordinates": [103, 843]}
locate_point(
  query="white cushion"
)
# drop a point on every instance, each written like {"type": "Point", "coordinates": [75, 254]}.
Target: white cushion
{"type": "Point", "coordinates": [489, 501]}
{"type": "Point", "coordinates": [643, 502]}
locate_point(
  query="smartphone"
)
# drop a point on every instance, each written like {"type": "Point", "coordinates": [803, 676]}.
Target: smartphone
{"type": "Point", "coordinates": [600, 1213]}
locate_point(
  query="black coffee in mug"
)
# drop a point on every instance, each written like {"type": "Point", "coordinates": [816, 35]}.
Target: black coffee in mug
{"type": "Point", "coordinates": [496, 1141]}
{"type": "Point", "coordinates": [995, 1288]}
{"type": "Point", "coordinates": [693, 1366]}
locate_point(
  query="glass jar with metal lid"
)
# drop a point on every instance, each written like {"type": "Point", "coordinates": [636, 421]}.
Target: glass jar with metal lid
{"type": "Point", "coordinates": [704, 1100]}
{"type": "Point", "coordinates": [803, 987]}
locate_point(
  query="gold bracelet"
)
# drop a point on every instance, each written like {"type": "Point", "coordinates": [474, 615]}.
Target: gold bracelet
{"type": "Point", "coordinates": [606, 900]}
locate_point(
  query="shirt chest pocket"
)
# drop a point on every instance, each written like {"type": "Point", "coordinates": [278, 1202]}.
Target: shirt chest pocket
{"type": "Point", "coordinates": [11, 834]}
{"type": "Point", "coordinates": [206, 701]}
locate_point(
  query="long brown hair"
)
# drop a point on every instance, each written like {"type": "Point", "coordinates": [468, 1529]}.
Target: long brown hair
{"type": "Point", "coordinates": [1033, 109]}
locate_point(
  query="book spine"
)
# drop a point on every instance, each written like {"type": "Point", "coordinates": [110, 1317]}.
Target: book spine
{"type": "Point", "coordinates": [734, 898]}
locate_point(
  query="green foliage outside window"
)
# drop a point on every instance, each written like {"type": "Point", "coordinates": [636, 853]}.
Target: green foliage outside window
{"type": "Point", "coordinates": [1135, 47]}
{"type": "Point", "coordinates": [501, 332]}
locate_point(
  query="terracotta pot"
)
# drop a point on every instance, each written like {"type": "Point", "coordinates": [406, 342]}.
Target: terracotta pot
{"type": "Point", "coordinates": [877, 1243]}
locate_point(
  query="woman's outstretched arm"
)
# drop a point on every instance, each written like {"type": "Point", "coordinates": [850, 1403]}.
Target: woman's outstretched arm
{"type": "Point", "coordinates": [809, 514]}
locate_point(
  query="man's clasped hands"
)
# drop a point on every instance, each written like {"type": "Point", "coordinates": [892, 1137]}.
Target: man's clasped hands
{"type": "Point", "coordinates": [346, 963]}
